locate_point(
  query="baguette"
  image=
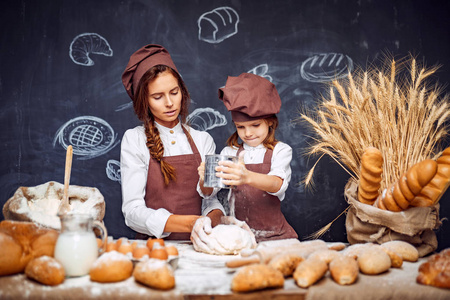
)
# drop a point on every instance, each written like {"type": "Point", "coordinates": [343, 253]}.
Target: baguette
{"type": "Point", "coordinates": [286, 263]}
{"type": "Point", "coordinates": [433, 191]}
{"type": "Point", "coordinates": [344, 270]}
{"type": "Point", "coordinates": [399, 196]}
{"type": "Point", "coordinates": [370, 175]}
{"type": "Point", "coordinates": [309, 272]}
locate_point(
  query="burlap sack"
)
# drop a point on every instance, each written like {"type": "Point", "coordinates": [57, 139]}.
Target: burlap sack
{"type": "Point", "coordinates": [366, 223]}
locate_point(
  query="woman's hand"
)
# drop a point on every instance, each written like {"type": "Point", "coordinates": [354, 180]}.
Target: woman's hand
{"type": "Point", "coordinates": [200, 237]}
{"type": "Point", "coordinates": [233, 173]}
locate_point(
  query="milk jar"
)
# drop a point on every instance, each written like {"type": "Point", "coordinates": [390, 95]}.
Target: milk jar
{"type": "Point", "coordinates": [76, 248]}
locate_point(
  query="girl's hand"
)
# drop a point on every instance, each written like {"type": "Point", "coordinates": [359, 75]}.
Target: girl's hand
{"type": "Point", "coordinates": [201, 171]}
{"type": "Point", "coordinates": [233, 173]}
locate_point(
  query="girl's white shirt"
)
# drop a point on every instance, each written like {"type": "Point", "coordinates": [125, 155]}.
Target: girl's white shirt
{"type": "Point", "coordinates": [134, 161]}
{"type": "Point", "coordinates": [281, 162]}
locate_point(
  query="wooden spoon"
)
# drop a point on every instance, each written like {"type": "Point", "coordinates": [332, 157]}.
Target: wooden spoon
{"type": "Point", "coordinates": [64, 206]}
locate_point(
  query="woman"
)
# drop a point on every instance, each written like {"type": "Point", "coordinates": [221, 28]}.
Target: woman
{"type": "Point", "coordinates": [159, 159]}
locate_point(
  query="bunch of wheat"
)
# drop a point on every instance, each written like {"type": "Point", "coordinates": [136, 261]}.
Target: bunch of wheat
{"type": "Point", "coordinates": [391, 108]}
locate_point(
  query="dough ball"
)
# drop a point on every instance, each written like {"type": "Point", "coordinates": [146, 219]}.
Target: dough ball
{"type": "Point", "coordinates": [229, 239]}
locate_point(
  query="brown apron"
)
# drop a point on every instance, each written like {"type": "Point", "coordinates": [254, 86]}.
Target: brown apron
{"type": "Point", "coordinates": [180, 197]}
{"type": "Point", "coordinates": [260, 210]}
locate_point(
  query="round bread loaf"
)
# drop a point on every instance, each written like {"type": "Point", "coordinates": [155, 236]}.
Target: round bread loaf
{"type": "Point", "coordinates": [45, 270]}
{"type": "Point", "coordinates": [373, 261]}
{"type": "Point", "coordinates": [111, 267]}
{"type": "Point", "coordinates": [155, 273]}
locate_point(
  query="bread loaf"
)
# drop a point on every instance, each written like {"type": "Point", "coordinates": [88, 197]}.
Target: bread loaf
{"type": "Point", "coordinates": [286, 263]}
{"type": "Point", "coordinates": [373, 261]}
{"type": "Point", "coordinates": [344, 270]}
{"type": "Point", "coordinates": [10, 255]}
{"type": "Point", "coordinates": [433, 191]}
{"type": "Point", "coordinates": [407, 251]}
{"type": "Point", "coordinates": [155, 273]}
{"type": "Point", "coordinates": [309, 272]}
{"type": "Point", "coordinates": [111, 266]}
{"type": "Point", "coordinates": [45, 270]}
{"type": "Point", "coordinates": [370, 175]}
{"type": "Point", "coordinates": [398, 196]}
{"type": "Point", "coordinates": [436, 270]}
{"type": "Point", "coordinates": [256, 277]}
{"type": "Point", "coordinates": [325, 255]}
{"type": "Point", "coordinates": [33, 240]}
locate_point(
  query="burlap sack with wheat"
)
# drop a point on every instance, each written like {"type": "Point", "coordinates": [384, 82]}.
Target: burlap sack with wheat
{"type": "Point", "coordinates": [366, 223]}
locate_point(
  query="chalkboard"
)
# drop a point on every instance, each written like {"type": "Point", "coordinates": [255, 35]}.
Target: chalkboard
{"type": "Point", "coordinates": [61, 65]}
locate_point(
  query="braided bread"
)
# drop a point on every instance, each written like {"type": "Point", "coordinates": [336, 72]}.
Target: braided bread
{"type": "Point", "coordinates": [370, 176]}
{"type": "Point", "coordinates": [398, 196]}
{"type": "Point", "coordinates": [433, 191]}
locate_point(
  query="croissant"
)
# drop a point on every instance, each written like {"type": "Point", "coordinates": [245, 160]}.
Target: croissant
{"type": "Point", "coordinates": [398, 196]}
{"type": "Point", "coordinates": [434, 190]}
{"type": "Point", "coordinates": [370, 177]}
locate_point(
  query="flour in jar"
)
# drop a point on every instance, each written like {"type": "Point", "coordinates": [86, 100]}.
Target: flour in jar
{"type": "Point", "coordinates": [229, 239]}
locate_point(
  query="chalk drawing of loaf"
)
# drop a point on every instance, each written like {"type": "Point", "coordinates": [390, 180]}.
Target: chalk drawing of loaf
{"type": "Point", "coordinates": [85, 44]}
{"type": "Point", "coordinates": [89, 136]}
{"type": "Point", "coordinates": [261, 70]}
{"type": "Point", "coordinates": [113, 170]}
{"type": "Point", "coordinates": [206, 118]}
{"type": "Point", "coordinates": [326, 67]}
{"type": "Point", "coordinates": [217, 25]}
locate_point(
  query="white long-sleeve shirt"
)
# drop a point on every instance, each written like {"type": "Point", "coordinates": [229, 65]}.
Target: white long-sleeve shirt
{"type": "Point", "coordinates": [134, 162]}
{"type": "Point", "coordinates": [281, 160]}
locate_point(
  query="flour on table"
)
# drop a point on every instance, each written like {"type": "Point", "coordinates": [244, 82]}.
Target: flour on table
{"type": "Point", "coordinates": [230, 239]}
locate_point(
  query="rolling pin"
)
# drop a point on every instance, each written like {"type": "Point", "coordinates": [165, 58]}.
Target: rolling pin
{"type": "Point", "coordinates": [265, 254]}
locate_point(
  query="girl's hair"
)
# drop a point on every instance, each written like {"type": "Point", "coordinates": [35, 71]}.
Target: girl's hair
{"type": "Point", "coordinates": [269, 142]}
{"type": "Point", "coordinates": [142, 109]}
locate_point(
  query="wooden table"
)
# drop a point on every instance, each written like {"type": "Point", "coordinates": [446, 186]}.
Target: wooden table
{"type": "Point", "coordinates": [203, 276]}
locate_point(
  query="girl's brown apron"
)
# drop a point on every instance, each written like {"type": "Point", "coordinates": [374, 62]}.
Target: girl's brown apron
{"type": "Point", "coordinates": [260, 210]}
{"type": "Point", "coordinates": [180, 197]}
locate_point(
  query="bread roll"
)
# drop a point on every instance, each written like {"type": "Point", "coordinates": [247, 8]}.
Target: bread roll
{"type": "Point", "coordinates": [433, 191]}
{"type": "Point", "coordinates": [398, 196]}
{"type": "Point", "coordinates": [155, 273]}
{"type": "Point", "coordinates": [10, 255]}
{"type": "Point", "coordinates": [111, 267]}
{"type": "Point", "coordinates": [407, 251]}
{"type": "Point", "coordinates": [256, 277]}
{"type": "Point", "coordinates": [396, 259]}
{"type": "Point", "coordinates": [286, 263]}
{"type": "Point", "coordinates": [344, 270]}
{"type": "Point", "coordinates": [45, 270]}
{"type": "Point", "coordinates": [309, 272]}
{"type": "Point", "coordinates": [355, 250]}
{"type": "Point", "coordinates": [338, 246]}
{"type": "Point", "coordinates": [436, 270]}
{"type": "Point", "coordinates": [373, 261]}
{"type": "Point", "coordinates": [370, 175]}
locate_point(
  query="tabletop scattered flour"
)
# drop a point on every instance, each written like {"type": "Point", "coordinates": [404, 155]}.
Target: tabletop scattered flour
{"type": "Point", "coordinates": [230, 239]}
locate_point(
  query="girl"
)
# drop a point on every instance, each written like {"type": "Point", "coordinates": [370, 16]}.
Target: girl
{"type": "Point", "coordinates": [159, 159]}
{"type": "Point", "coordinates": [263, 172]}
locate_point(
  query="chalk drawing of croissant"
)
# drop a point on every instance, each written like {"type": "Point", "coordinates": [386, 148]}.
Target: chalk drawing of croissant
{"type": "Point", "coordinates": [261, 70]}
{"type": "Point", "coordinates": [89, 136]}
{"type": "Point", "coordinates": [85, 44]}
{"type": "Point", "coordinates": [326, 67]}
{"type": "Point", "coordinates": [217, 25]}
{"type": "Point", "coordinates": [206, 118]}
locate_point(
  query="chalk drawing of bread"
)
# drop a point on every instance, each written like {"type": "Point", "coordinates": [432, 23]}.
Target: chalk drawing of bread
{"type": "Point", "coordinates": [113, 170]}
{"type": "Point", "coordinates": [85, 44]}
{"type": "Point", "coordinates": [261, 70]}
{"type": "Point", "coordinates": [326, 67]}
{"type": "Point", "coordinates": [89, 136]}
{"type": "Point", "coordinates": [217, 25]}
{"type": "Point", "coordinates": [204, 119]}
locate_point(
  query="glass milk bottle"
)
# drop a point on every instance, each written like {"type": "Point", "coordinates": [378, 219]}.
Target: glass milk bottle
{"type": "Point", "coordinates": [76, 248]}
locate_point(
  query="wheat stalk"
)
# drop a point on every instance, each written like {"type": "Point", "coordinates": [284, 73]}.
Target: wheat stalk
{"type": "Point", "coordinates": [392, 108]}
